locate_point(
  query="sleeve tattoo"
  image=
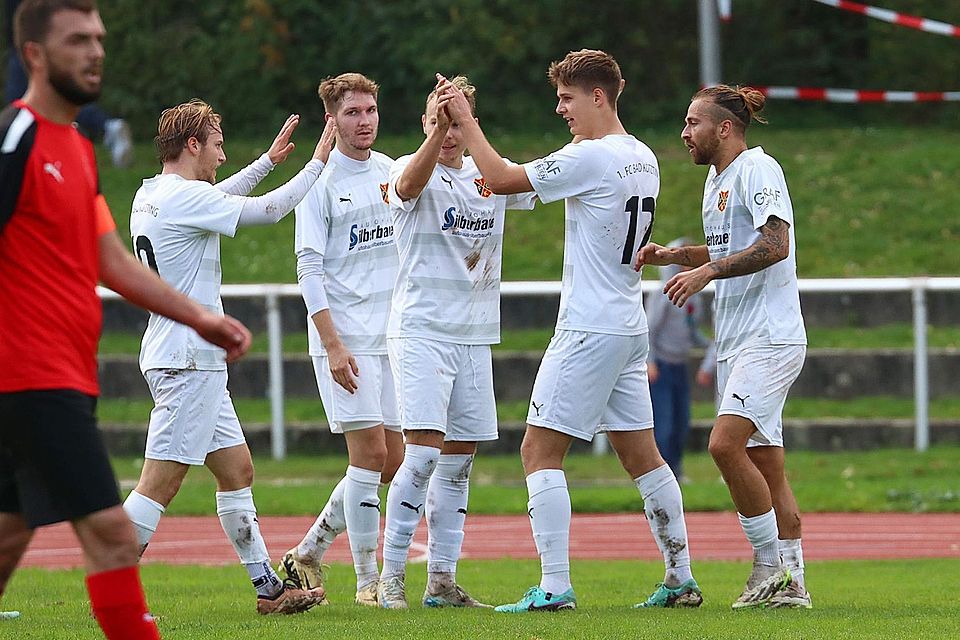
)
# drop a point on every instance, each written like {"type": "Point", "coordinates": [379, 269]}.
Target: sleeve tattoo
{"type": "Point", "coordinates": [772, 247]}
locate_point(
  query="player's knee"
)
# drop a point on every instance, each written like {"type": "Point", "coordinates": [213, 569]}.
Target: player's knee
{"type": "Point", "coordinates": [242, 476]}
{"type": "Point", "coordinates": [12, 547]}
{"type": "Point", "coordinates": [721, 449]}
{"type": "Point", "coordinates": [108, 540]}
{"type": "Point", "coordinates": [377, 457]}
{"type": "Point", "coordinates": [534, 455]}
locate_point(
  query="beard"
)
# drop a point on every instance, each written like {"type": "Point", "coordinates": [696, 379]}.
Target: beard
{"type": "Point", "coordinates": [704, 153]}
{"type": "Point", "coordinates": [70, 90]}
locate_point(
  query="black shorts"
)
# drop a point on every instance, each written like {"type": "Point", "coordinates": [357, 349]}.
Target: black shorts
{"type": "Point", "coordinates": [53, 463]}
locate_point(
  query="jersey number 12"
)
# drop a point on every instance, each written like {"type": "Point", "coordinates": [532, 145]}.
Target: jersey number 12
{"type": "Point", "coordinates": [634, 207]}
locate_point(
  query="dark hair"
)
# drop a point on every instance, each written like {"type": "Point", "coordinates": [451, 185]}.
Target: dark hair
{"type": "Point", "coordinates": [31, 21]}
{"type": "Point", "coordinates": [745, 103]}
{"type": "Point", "coordinates": [588, 69]}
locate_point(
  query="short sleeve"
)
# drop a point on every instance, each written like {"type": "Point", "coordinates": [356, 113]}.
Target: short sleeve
{"type": "Point", "coordinates": [313, 220]}
{"type": "Point", "coordinates": [521, 201]}
{"type": "Point", "coordinates": [206, 208]}
{"type": "Point", "coordinates": [394, 200]}
{"type": "Point", "coordinates": [17, 130]}
{"type": "Point", "coordinates": [566, 173]}
{"type": "Point", "coordinates": [765, 194]}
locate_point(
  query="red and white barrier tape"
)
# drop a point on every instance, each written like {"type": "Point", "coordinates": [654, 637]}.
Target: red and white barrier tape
{"type": "Point", "coordinates": [854, 95]}
{"type": "Point", "coordinates": [902, 19]}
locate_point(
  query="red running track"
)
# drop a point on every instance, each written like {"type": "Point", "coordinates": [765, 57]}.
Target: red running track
{"type": "Point", "coordinates": [713, 536]}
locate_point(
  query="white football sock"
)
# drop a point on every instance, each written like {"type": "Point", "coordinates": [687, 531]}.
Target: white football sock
{"type": "Point", "coordinates": [329, 524]}
{"type": "Point", "coordinates": [792, 553]}
{"type": "Point", "coordinates": [761, 532]}
{"type": "Point", "coordinates": [361, 508]}
{"type": "Point", "coordinates": [238, 517]}
{"type": "Point", "coordinates": [405, 502]}
{"type": "Point", "coordinates": [446, 513]}
{"type": "Point", "coordinates": [663, 506]}
{"type": "Point", "coordinates": [145, 514]}
{"type": "Point", "coordinates": [549, 511]}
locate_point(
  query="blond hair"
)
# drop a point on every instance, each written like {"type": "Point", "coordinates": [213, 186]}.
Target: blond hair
{"type": "Point", "coordinates": [469, 92]}
{"type": "Point", "coordinates": [193, 119]}
{"type": "Point", "coordinates": [744, 103]}
{"type": "Point", "coordinates": [588, 69]}
{"type": "Point", "coordinates": [332, 90]}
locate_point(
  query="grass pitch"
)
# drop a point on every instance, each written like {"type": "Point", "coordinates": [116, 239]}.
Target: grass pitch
{"type": "Point", "coordinates": [881, 480]}
{"type": "Point", "coordinates": [887, 600]}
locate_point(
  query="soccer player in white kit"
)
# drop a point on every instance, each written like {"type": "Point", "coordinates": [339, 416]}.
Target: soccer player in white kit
{"type": "Point", "coordinates": [445, 316]}
{"type": "Point", "coordinates": [594, 375]}
{"type": "Point", "coordinates": [177, 220]}
{"type": "Point", "coordinates": [751, 253]}
{"type": "Point", "coordinates": [347, 266]}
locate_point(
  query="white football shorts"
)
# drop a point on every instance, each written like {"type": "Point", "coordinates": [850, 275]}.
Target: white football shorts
{"type": "Point", "coordinates": [373, 403]}
{"type": "Point", "coordinates": [592, 382]}
{"type": "Point", "coordinates": [192, 416]}
{"type": "Point", "coordinates": [446, 387]}
{"type": "Point", "coordinates": [754, 383]}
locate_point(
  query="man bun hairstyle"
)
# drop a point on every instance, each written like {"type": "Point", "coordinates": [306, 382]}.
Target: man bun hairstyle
{"type": "Point", "coordinates": [194, 119]}
{"type": "Point", "coordinates": [744, 103]}
{"type": "Point", "coordinates": [588, 69]}
{"type": "Point", "coordinates": [469, 92]}
{"type": "Point", "coordinates": [31, 20]}
{"type": "Point", "coordinates": [333, 89]}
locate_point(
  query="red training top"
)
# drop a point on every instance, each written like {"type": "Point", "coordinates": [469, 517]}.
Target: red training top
{"type": "Point", "coordinates": [51, 217]}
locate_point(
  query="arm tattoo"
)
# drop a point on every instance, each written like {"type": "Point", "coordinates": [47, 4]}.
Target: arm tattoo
{"type": "Point", "coordinates": [692, 256]}
{"type": "Point", "coordinates": [772, 247]}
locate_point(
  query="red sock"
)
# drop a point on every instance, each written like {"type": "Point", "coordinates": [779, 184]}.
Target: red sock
{"type": "Point", "coordinates": [120, 606]}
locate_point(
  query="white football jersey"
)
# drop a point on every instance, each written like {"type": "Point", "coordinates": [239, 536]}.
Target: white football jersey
{"type": "Point", "coordinates": [345, 218]}
{"type": "Point", "coordinates": [760, 308]}
{"type": "Point", "coordinates": [610, 186]}
{"type": "Point", "coordinates": [450, 241]}
{"type": "Point", "coordinates": [176, 226]}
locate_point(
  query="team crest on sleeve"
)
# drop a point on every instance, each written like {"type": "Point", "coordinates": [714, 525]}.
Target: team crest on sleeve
{"type": "Point", "coordinates": [482, 187]}
{"type": "Point", "coordinates": [384, 192]}
{"type": "Point", "coordinates": [722, 200]}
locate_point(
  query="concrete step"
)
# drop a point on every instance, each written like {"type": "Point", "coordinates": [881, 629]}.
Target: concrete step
{"type": "Point", "coordinates": [828, 374]}
{"type": "Point", "coordinates": [828, 434]}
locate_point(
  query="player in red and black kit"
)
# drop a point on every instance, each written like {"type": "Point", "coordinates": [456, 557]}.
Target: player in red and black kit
{"type": "Point", "coordinates": [57, 239]}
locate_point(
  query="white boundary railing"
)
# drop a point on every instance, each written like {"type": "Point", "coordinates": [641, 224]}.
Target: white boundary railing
{"type": "Point", "coordinates": [918, 287]}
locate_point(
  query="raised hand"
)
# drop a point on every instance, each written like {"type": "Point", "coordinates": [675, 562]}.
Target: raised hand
{"type": "Point", "coordinates": [282, 147]}
{"type": "Point", "coordinates": [327, 139]}
{"type": "Point", "coordinates": [452, 100]}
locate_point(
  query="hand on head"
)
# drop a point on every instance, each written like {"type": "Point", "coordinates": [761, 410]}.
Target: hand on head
{"type": "Point", "coordinates": [452, 100]}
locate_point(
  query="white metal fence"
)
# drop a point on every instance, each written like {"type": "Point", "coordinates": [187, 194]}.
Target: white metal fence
{"type": "Point", "coordinates": [918, 287]}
